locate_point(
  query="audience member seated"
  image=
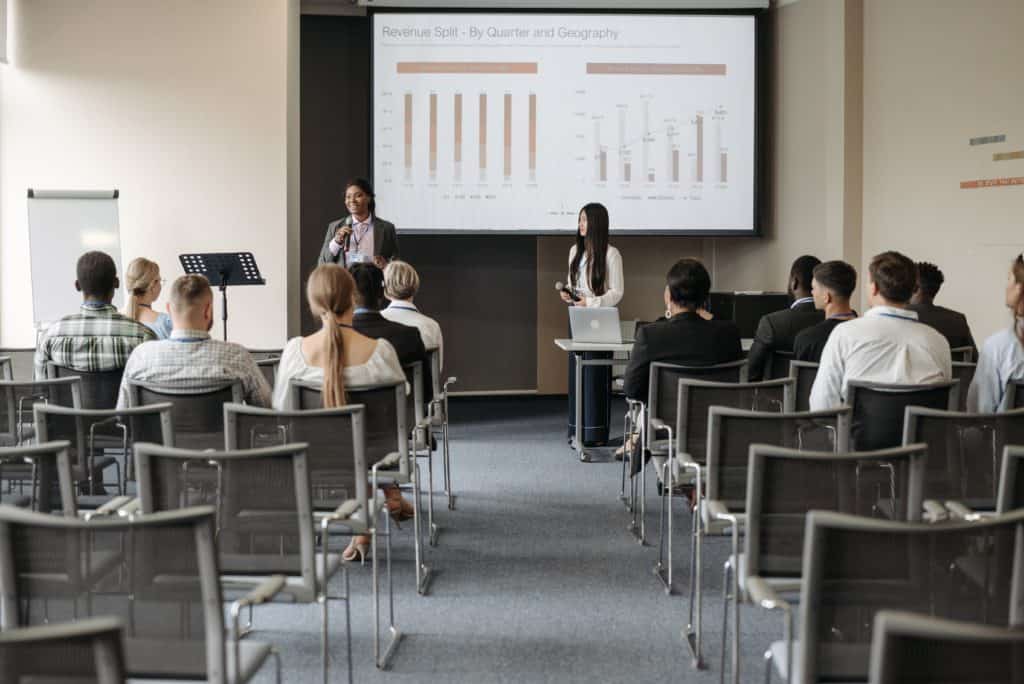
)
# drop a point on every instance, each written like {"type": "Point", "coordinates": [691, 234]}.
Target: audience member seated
{"type": "Point", "coordinates": [952, 324]}
{"type": "Point", "coordinates": [144, 285]}
{"type": "Point", "coordinates": [337, 357]}
{"type": "Point", "coordinates": [777, 331]}
{"type": "Point", "coordinates": [401, 283]}
{"type": "Point", "coordinates": [369, 298]}
{"type": "Point", "coordinates": [831, 286]}
{"type": "Point", "coordinates": [887, 345]}
{"type": "Point", "coordinates": [1002, 355]}
{"type": "Point", "coordinates": [190, 360]}
{"type": "Point", "coordinates": [97, 338]}
{"type": "Point", "coordinates": [686, 337]}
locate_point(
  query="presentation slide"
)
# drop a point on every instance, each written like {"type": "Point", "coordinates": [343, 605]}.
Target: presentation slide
{"type": "Point", "coordinates": [512, 122]}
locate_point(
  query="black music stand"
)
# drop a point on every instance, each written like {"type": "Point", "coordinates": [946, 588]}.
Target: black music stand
{"type": "Point", "coordinates": [223, 269]}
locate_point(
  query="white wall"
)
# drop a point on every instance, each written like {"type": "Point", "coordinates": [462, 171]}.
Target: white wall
{"type": "Point", "coordinates": [184, 107]}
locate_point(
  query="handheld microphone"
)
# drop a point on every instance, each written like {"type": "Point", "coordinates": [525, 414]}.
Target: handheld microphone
{"type": "Point", "coordinates": [348, 237]}
{"type": "Point", "coordinates": [560, 286]}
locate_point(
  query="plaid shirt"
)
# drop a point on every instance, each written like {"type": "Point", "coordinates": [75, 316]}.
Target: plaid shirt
{"type": "Point", "coordinates": [98, 338]}
{"type": "Point", "coordinates": [191, 361]}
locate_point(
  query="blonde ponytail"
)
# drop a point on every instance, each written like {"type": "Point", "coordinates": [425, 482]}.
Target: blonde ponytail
{"type": "Point", "coordinates": [329, 292]}
{"type": "Point", "coordinates": [139, 277]}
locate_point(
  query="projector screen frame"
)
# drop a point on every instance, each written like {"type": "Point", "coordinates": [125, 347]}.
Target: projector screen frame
{"type": "Point", "coordinates": [760, 172]}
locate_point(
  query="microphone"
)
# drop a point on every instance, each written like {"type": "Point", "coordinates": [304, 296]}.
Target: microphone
{"type": "Point", "coordinates": [348, 238]}
{"type": "Point", "coordinates": [560, 286]}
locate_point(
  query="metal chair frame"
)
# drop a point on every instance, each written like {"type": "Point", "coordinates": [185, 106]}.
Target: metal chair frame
{"type": "Point", "coordinates": [1011, 472]}
{"type": "Point", "coordinates": [438, 418]}
{"type": "Point", "coordinates": [105, 634]}
{"type": "Point", "coordinates": [797, 370]}
{"type": "Point", "coordinates": [32, 455]}
{"type": "Point", "coordinates": [171, 394]}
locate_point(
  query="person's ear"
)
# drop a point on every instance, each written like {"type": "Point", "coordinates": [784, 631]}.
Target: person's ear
{"type": "Point", "coordinates": [117, 283]}
{"type": "Point", "coordinates": [78, 287]}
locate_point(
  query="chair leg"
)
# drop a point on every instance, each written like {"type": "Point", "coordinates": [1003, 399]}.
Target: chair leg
{"type": "Point", "coordinates": [663, 568]}
{"type": "Point", "coordinates": [693, 628]}
{"type": "Point", "coordinates": [432, 527]}
{"type": "Point", "coordinates": [393, 631]}
{"type": "Point", "coordinates": [768, 667]}
{"type": "Point", "coordinates": [726, 567]}
{"type": "Point", "coordinates": [422, 569]}
{"type": "Point", "coordinates": [447, 463]}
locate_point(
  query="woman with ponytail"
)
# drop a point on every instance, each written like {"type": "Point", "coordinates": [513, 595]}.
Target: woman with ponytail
{"type": "Point", "coordinates": [1002, 355]}
{"type": "Point", "coordinates": [337, 356]}
{"type": "Point", "coordinates": [144, 284]}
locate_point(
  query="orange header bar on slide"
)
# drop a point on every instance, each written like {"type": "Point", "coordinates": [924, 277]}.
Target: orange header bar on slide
{"type": "Point", "coordinates": [467, 67]}
{"type": "Point", "coordinates": [641, 69]}
{"type": "Point", "coordinates": [991, 183]}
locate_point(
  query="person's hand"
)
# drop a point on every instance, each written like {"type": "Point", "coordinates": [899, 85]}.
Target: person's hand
{"type": "Point", "coordinates": [380, 262]}
{"type": "Point", "coordinates": [342, 233]}
{"type": "Point", "coordinates": [565, 297]}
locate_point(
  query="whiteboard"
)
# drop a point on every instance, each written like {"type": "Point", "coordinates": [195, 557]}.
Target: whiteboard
{"type": "Point", "coordinates": [63, 225]}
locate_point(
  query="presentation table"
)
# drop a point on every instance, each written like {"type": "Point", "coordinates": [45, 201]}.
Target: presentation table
{"type": "Point", "coordinates": [577, 349]}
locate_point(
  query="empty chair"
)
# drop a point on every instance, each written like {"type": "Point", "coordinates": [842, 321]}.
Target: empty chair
{"type": "Point", "coordinates": [731, 432]}
{"type": "Point", "coordinates": [52, 485]}
{"type": "Point", "coordinates": [963, 373]}
{"type": "Point", "coordinates": [265, 531]}
{"type": "Point", "coordinates": [916, 648]}
{"type": "Point", "coordinates": [84, 652]}
{"type": "Point", "coordinates": [803, 374]}
{"type": "Point", "coordinates": [16, 418]}
{"type": "Point", "coordinates": [156, 573]}
{"type": "Point", "coordinates": [1014, 396]}
{"type": "Point", "coordinates": [783, 486]}
{"type": "Point", "coordinates": [6, 368]}
{"type": "Point", "coordinates": [387, 446]}
{"type": "Point", "coordinates": [878, 410]}
{"type": "Point", "coordinates": [964, 450]}
{"type": "Point", "coordinates": [99, 388]}
{"type": "Point", "coordinates": [197, 418]}
{"type": "Point", "coordinates": [854, 567]}
{"type": "Point", "coordinates": [1011, 480]}
{"type": "Point", "coordinates": [22, 362]}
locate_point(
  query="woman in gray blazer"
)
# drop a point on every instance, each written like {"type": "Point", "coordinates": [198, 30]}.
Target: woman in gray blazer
{"type": "Point", "coordinates": [362, 236]}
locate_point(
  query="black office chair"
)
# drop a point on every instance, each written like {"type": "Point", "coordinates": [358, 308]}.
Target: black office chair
{"type": "Point", "coordinates": [99, 388]}
{"type": "Point", "coordinates": [964, 373]}
{"type": "Point", "coordinates": [1014, 397]}
{"type": "Point", "coordinates": [197, 417]}
{"type": "Point", "coordinates": [878, 409]}
{"type": "Point", "coordinates": [804, 373]}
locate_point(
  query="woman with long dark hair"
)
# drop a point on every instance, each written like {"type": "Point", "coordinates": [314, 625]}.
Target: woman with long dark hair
{"type": "Point", "coordinates": [595, 279]}
{"type": "Point", "coordinates": [362, 236]}
{"type": "Point", "coordinates": [1002, 355]}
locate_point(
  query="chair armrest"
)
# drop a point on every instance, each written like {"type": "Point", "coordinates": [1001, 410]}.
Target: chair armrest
{"type": "Point", "coordinates": [717, 510]}
{"type": "Point", "coordinates": [450, 381]}
{"type": "Point", "coordinates": [388, 461]}
{"type": "Point", "coordinates": [659, 424]}
{"type": "Point", "coordinates": [765, 596]}
{"type": "Point", "coordinates": [934, 511]}
{"type": "Point", "coordinates": [262, 593]}
{"type": "Point", "coordinates": [133, 507]}
{"type": "Point", "coordinates": [112, 507]}
{"type": "Point", "coordinates": [957, 511]}
{"type": "Point", "coordinates": [342, 512]}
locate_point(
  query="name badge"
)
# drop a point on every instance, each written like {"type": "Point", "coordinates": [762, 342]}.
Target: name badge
{"type": "Point", "coordinates": [357, 258]}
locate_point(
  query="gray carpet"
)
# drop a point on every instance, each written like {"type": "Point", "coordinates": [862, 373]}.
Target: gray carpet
{"type": "Point", "coordinates": [537, 578]}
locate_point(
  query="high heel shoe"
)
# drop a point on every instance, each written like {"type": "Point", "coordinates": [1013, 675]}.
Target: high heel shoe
{"type": "Point", "coordinates": [398, 508]}
{"type": "Point", "coordinates": [356, 548]}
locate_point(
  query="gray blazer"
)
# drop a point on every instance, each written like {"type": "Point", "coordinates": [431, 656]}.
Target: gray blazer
{"type": "Point", "coordinates": [385, 240]}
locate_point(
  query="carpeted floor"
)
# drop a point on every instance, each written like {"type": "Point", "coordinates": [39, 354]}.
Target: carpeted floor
{"type": "Point", "coordinates": [537, 578]}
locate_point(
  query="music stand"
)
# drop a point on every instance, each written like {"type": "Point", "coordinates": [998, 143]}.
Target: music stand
{"type": "Point", "coordinates": [223, 269]}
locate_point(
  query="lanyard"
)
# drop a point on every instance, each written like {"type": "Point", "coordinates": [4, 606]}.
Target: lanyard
{"type": "Point", "coordinates": [843, 317]}
{"type": "Point", "coordinates": [189, 340]}
{"type": "Point", "coordinates": [403, 308]}
{"type": "Point", "coordinates": [356, 239]}
{"type": "Point", "coordinates": [901, 318]}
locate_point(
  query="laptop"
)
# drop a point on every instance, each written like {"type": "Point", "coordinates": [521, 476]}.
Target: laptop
{"type": "Point", "coordinates": [595, 324]}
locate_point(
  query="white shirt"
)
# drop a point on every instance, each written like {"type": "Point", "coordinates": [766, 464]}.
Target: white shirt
{"type": "Point", "coordinates": [614, 283]}
{"type": "Point", "coordinates": [381, 367]}
{"type": "Point", "coordinates": [1001, 360]}
{"type": "Point", "coordinates": [406, 313]}
{"type": "Point", "coordinates": [886, 345]}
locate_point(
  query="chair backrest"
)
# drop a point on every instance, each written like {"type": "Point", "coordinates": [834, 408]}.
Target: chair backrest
{"type": "Point", "coordinates": [385, 417]}
{"type": "Point", "coordinates": [99, 388]}
{"type": "Point", "coordinates": [52, 463]}
{"type": "Point", "coordinates": [878, 409]}
{"type": "Point", "coordinates": [6, 368]}
{"type": "Point", "coordinates": [17, 399]}
{"type": "Point", "coordinates": [662, 391]}
{"type": "Point", "coordinates": [1011, 480]}
{"type": "Point", "coordinates": [784, 485]}
{"type": "Point", "coordinates": [197, 417]}
{"type": "Point", "coordinates": [916, 648]}
{"type": "Point", "coordinates": [963, 372]}
{"type": "Point", "coordinates": [731, 432]}
{"type": "Point", "coordinates": [803, 374]}
{"type": "Point", "coordinates": [962, 354]}
{"type": "Point", "coordinates": [435, 370]}
{"type": "Point", "coordinates": [262, 498]}
{"type": "Point", "coordinates": [86, 651]}
{"type": "Point", "coordinates": [268, 367]}
{"type": "Point", "coordinates": [336, 451]}
{"type": "Point", "coordinates": [964, 450]}
{"type": "Point", "coordinates": [778, 364]}
{"type": "Point", "coordinates": [415, 399]}
{"type": "Point", "coordinates": [157, 573]}
{"type": "Point", "coordinates": [22, 362]}
{"type": "Point", "coordinates": [1014, 396]}
{"type": "Point", "coordinates": [696, 397]}
{"type": "Point", "coordinates": [856, 566]}
{"type": "Point", "coordinates": [260, 354]}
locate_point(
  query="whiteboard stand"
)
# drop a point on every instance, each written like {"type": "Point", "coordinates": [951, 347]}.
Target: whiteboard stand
{"type": "Point", "coordinates": [223, 269]}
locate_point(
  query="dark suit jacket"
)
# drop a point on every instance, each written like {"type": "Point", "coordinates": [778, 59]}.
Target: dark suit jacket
{"type": "Point", "coordinates": [952, 324]}
{"type": "Point", "coordinates": [404, 338]}
{"type": "Point", "coordinates": [811, 341]}
{"type": "Point", "coordinates": [686, 339]}
{"type": "Point", "coordinates": [385, 240]}
{"type": "Point", "coordinates": [776, 332]}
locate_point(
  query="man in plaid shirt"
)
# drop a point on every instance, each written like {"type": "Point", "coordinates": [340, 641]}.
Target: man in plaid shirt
{"type": "Point", "coordinates": [97, 338]}
{"type": "Point", "coordinates": [190, 360]}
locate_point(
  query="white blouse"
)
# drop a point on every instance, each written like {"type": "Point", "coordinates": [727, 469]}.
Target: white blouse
{"type": "Point", "coordinates": [1001, 360]}
{"type": "Point", "coordinates": [381, 367]}
{"type": "Point", "coordinates": [614, 282]}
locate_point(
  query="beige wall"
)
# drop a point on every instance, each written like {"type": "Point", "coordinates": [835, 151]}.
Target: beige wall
{"type": "Point", "coordinates": [935, 75]}
{"type": "Point", "coordinates": [183, 106]}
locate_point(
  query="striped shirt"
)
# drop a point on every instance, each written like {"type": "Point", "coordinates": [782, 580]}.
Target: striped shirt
{"type": "Point", "coordinates": [192, 361]}
{"type": "Point", "coordinates": [97, 338]}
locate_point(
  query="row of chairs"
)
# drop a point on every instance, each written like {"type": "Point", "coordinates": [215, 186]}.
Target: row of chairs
{"type": "Point", "coordinates": [712, 421]}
